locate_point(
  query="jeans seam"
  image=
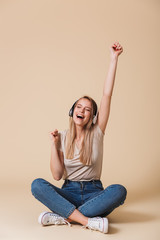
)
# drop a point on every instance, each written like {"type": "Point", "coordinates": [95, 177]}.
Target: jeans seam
{"type": "Point", "coordinates": [73, 207]}
{"type": "Point", "coordinates": [71, 211]}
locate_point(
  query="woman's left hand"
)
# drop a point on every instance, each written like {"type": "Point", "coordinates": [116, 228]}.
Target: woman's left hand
{"type": "Point", "coordinates": [116, 49]}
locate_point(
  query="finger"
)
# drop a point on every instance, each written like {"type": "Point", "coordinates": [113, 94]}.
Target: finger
{"type": "Point", "coordinates": [119, 47]}
{"type": "Point", "coordinates": [54, 135]}
{"type": "Point", "coordinates": [55, 131]}
{"type": "Point", "coordinates": [117, 44]}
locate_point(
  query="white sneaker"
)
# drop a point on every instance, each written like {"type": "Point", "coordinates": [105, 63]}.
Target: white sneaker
{"type": "Point", "coordinates": [50, 218]}
{"type": "Point", "coordinates": [98, 224]}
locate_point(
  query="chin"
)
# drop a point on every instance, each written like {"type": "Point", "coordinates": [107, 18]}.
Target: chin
{"type": "Point", "coordinates": [79, 124]}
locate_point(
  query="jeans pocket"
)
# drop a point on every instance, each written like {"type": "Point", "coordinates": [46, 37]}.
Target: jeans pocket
{"type": "Point", "coordinates": [98, 185]}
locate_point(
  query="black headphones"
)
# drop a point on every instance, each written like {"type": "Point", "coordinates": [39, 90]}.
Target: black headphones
{"type": "Point", "coordinates": [94, 115]}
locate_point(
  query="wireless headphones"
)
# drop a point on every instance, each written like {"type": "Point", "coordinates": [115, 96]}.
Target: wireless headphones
{"type": "Point", "coordinates": [95, 115]}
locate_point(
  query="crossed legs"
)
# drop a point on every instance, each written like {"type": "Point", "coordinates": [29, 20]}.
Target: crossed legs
{"type": "Point", "coordinates": [57, 201]}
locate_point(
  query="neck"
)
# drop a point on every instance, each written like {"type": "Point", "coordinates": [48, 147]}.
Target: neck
{"type": "Point", "coordinates": [79, 132]}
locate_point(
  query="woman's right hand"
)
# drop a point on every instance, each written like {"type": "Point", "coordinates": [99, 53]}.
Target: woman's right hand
{"type": "Point", "coordinates": [56, 162]}
{"type": "Point", "coordinates": [55, 137]}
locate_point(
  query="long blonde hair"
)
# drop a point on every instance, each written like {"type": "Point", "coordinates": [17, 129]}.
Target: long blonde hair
{"type": "Point", "coordinates": [86, 149]}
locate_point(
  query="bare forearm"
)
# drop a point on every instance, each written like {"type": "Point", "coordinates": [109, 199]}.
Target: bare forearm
{"type": "Point", "coordinates": [55, 163]}
{"type": "Point", "coordinates": [110, 79]}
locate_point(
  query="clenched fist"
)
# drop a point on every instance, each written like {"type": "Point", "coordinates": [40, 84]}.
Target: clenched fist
{"type": "Point", "coordinates": [55, 137]}
{"type": "Point", "coordinates": [116, 49]}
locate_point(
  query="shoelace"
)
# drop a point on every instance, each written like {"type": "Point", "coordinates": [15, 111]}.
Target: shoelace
{"type": "Point", "coordinates": [59, 220]}
{"type": "Point", "coordinates": [93, 224]}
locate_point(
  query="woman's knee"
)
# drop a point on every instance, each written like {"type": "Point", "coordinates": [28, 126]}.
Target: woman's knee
{"type": "Point", "coordinates": [119, 191]}
{"type": "Point", "coordinates": [122, 191]}
{"type": "Point", "coordinates": [36, 185]}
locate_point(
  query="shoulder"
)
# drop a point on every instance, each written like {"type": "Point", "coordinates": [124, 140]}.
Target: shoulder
{"type": "Point", "coordinates": [62, 137]}
{"type": "Point", "coordinates": [62, 134]}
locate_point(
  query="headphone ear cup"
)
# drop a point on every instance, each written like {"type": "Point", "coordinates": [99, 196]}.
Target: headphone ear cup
{"type": "Point", "coordinates": [72, 109]}
{"type": "Point", "coordinates": [95, 118]}
{"type": "Point", "coordinates": [71, 112]}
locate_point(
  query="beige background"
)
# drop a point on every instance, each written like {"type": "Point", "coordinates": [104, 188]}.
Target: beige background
{"type": "Point", "coordinates": [53, 52]}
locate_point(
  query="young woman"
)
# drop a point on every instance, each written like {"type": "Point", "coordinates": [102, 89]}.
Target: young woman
{"type": "Point", "coordinates": [76, 156]}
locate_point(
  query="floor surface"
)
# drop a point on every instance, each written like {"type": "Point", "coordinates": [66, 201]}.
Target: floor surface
{"type": "Point", "coordinates": [137, 219]}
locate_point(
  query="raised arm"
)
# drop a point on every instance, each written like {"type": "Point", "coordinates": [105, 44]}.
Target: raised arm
{"type": "Point", "coordinates": [57, 159]}
{"type": "Point", "coordinates": [104, 109]}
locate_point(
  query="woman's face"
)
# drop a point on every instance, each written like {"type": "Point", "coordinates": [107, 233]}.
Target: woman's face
{"type": "Point", "coordinates": [82, 112]}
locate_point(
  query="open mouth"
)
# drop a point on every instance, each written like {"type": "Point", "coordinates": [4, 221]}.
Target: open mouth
{"type": "Point", "coordinates": [79, 116]}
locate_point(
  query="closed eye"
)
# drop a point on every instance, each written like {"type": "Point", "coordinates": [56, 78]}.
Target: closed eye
{"type": "Point", "coordinates": [86, 108]}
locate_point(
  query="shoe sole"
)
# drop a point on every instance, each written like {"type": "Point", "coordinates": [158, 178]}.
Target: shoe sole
{"type": "Point", "coordinates": [105, 225]}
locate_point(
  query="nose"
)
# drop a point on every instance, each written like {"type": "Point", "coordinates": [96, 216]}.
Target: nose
{"type": "Point", "coordinates": [82, 110]}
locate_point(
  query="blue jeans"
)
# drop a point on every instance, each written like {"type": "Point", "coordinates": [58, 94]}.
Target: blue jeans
{"type": "Point", "coordinates": [89, 197]}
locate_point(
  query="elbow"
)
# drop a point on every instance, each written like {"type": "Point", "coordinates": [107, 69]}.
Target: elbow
{"type": "Point", "coordinates": [57, 178]}
{"type": "Point", "coordinates": [56, 173]}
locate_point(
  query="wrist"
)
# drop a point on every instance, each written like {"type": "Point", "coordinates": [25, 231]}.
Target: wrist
{"type": "Point", "coordinates": [114, 58]}
{"type": "Point", "coordinates": [54, 145]}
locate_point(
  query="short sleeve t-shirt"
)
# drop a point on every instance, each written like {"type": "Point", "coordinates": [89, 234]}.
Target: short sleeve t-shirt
{"type": "Point", "coordinates": [75, 170]}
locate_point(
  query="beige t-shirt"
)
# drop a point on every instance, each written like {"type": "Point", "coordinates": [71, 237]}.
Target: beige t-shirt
{"type": "Point", "coordinates": [76, 170]}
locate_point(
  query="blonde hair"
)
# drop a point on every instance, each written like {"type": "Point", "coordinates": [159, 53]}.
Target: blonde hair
{"type": "Point", "coordinates": [86, 149]}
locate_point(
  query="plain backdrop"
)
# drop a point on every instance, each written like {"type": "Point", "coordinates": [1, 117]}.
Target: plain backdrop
{"type": "Point", "coordinates": [52, 53]}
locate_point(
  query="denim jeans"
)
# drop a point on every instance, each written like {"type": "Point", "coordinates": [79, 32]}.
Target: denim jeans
{"type": "Point", "coordinates": [89, 197]}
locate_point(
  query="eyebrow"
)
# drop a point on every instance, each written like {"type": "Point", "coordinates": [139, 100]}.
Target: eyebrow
{"type": "Point", "coordinates": [81, 105]}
